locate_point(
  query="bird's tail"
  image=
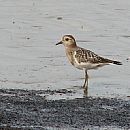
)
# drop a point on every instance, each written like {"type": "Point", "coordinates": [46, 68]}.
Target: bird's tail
{"type": "Point", "coordinates": [113, 62]}
{"type": "Point", "coordinates": [117, 62]}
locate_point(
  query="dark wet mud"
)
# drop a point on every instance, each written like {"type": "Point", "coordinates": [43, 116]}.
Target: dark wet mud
{"type": "Point", "coordinates": [26, 109]}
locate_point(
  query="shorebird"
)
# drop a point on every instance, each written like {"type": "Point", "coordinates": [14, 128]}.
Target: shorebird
{"type": "Point", "coordinates": [83, 59]}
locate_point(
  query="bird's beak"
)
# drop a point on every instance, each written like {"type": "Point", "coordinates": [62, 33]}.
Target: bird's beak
{"type": "Point", "coordinates": [59, 43]}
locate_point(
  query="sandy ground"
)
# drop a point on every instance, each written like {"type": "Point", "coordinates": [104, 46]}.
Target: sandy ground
{"type": "Point", "coordinates": [30, 60]}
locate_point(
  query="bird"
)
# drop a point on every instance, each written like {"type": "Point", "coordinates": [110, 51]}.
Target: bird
{"type": "Point", "coordinates": [83, 59]}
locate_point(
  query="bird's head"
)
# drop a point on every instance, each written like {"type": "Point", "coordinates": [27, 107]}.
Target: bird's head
{"type": "Point", "coordinates": [67, 41]}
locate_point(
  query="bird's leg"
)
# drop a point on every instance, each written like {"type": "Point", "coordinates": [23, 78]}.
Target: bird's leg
{"type": "Point", "coordinates": [85, 86]}
{"type": "Point", "coordinates": [86, 80]}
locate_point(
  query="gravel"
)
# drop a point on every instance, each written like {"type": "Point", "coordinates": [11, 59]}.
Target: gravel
{"type": "Point", "coordinates": [26, 109]}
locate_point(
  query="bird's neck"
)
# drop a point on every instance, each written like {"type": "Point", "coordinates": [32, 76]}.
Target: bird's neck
{"type": "Point", "coordinates": [71, 46]}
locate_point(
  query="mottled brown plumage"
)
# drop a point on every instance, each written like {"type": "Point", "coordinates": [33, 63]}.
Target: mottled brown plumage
{"type": "Point", "coordinates": [84, 55]}
{"type": "Point", "coordinates": [82, 58]}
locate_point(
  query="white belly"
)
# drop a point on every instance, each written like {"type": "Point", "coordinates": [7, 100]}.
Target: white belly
{"type": "Point", "coordinates": [88, 65]}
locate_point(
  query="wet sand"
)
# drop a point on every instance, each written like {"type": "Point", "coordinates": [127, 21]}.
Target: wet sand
{"type": "Point", "coordinates": [27, 109]}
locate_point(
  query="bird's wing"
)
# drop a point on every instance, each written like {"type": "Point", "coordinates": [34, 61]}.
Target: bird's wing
{"type": "Point", "coordinates": [83, 55]}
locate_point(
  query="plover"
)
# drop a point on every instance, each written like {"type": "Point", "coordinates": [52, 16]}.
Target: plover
{"type": "Point", "coordinates": [83, 59]}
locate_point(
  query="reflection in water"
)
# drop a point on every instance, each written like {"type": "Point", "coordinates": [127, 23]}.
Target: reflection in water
{"type": "Point", "coordinates": [79, 90]}
{"type": "Point", "coordinates": [85, 92]}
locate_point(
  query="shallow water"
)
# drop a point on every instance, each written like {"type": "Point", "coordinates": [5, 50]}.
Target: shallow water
{"type": "Point", "coordinates": [30, 59]}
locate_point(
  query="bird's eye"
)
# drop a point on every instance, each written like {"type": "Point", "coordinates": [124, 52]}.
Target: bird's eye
{"type": "Point", "coordinates": [67, 39]}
